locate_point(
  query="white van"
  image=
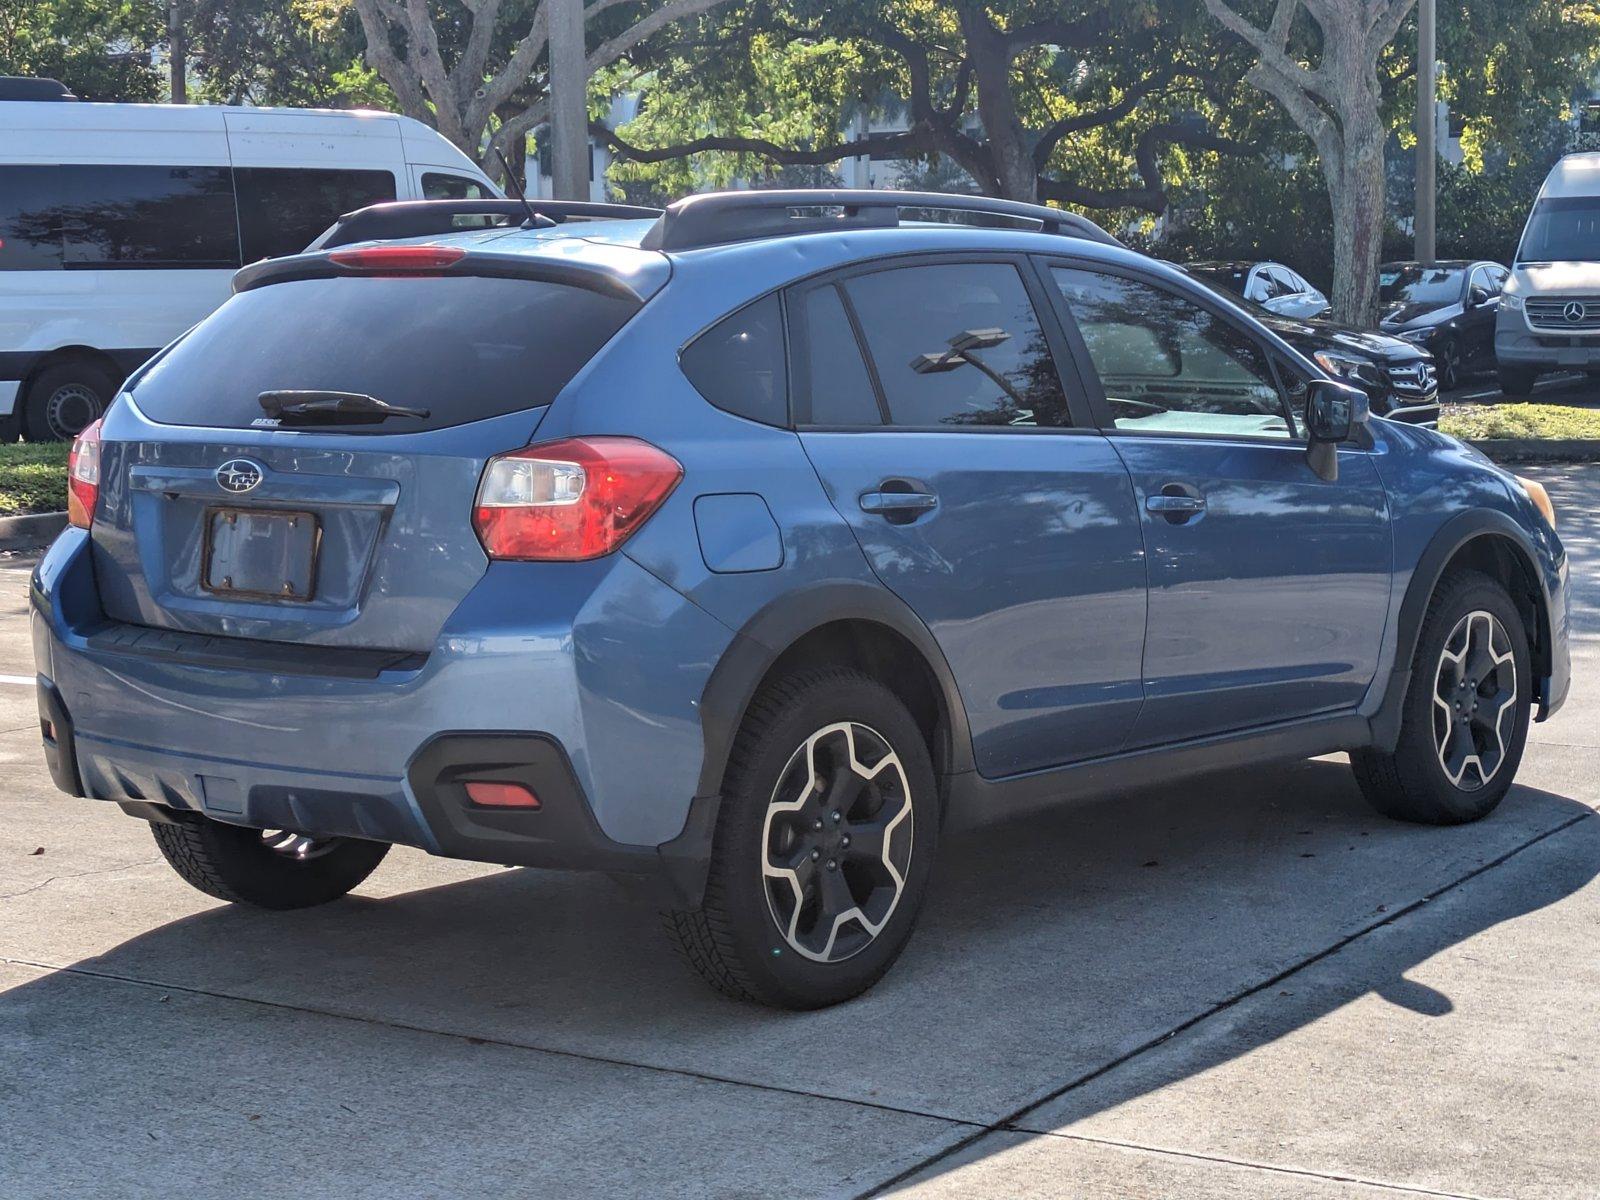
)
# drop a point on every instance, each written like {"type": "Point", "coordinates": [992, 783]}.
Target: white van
{"type": "Point", "coordinates": [121, 224]}
{"type": "Point", "coordinates": [1549, 317]}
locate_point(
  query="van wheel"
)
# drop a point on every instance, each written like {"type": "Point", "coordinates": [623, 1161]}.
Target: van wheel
{"type": "Point", "coordinates": [1465, 717]}
{"type": "Point", "coordinates": [64, 400]}
{"type": "Point", "coordinates": [1516, 381]}
{"type": "Point", "coordinates": [828, 828]}
{"type": "Point", "coordinates": [270, 868]}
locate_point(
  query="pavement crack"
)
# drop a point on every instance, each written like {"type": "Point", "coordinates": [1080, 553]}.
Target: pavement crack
{"type": "Point", "coordinates": [49, 879]}
{"type": "Point", "coordinates": [1011, 1123]}
{"type": "Point", "coordinates": [1276, 1168]}
{"type": "Point", "coordinates": [480, 1040]}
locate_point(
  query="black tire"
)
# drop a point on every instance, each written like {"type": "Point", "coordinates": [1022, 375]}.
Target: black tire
{"type": "Point", "coordinates": [241, 866]}
{"type": "Point", "coordinates": [734, 939]}
{"type": "Point", "coordinates": [1516, 381]}
{"type": "Point", "coordinates": [64, 399]}
{"type": "Point", "coordinates": [1412, 783]}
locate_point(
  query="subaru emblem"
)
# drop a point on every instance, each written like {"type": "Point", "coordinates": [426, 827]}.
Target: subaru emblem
{"type": "Point", "coordinates": [1575, 311]}
{"type": "Point", "coordinates": [239, 475]}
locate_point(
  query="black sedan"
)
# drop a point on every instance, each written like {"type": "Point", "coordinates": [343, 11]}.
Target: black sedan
{"type": "Point", "coordinates": [1396, 375]}
{"type": "Point", "coordinates": [1448, 309]}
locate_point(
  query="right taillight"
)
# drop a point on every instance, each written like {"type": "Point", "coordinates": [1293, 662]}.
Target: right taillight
{"type": "Point", "coordinates": [571, 500]}
{"type": "Point", "coordinates": [83, 476]}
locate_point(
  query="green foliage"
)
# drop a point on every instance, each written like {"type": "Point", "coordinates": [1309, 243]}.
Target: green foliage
{"type": "Point", "coordinates": [98, 48]}
{"type": "Point", "coordinates": [300, 53]}
{"type": "Point", "coordinates": [33, 478]}
{"type": "Point", "coordinates": [1483, 422]}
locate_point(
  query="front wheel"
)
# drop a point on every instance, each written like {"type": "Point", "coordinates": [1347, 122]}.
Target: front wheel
{"type": "Point", "coordinates": [829, 823]}
{"type": "Point", "coordinates": [1465, 717]}
{"type": "Point", "coordinates": [1449, 362]}
{"type": "Point", "coordinates": [270, 868]}
{"type": "Point", "coordinates": [1516, 381]}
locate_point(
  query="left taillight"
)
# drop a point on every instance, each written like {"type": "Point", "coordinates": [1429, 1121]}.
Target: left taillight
{"type": "Point", "coordinates": [83, 477]}
{"type": "Point", "coordinates": [567, 501]}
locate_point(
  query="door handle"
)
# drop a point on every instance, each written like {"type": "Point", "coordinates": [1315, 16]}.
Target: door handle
{"type": "Point", "coordinates": [1176, 502]}
{"type": "Point", "coordinates": [889, 502]}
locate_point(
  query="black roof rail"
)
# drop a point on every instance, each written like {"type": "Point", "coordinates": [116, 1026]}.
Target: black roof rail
{"type": "Point", "coordinates": [717, 218]}
{"type": "Point", "coordinates": [419, 218]}
{"type": "Point", "coordinates": [26, 87]}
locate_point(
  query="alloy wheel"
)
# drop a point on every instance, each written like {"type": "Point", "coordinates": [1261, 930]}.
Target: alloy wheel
{"type": "Point", "coordinates": [1474, 701]}
{"type": "Point", "coordinates": [297, 846]}
{"type": "Point", "coordinates": [837, 842]}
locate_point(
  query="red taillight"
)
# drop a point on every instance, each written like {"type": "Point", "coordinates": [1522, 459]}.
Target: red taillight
{"type": "Point", "coordinates": [492, 794]}
{"type": "Point", "coordinates": [570, 500]}
{"type": "Point", "coordinates": [399, 260]}
{"type": "Point", "coordinates": [83, 476]}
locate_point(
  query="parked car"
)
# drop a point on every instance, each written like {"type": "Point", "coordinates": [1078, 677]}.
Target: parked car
{"type": "Point", "coordinates": [121, 225]}
{"type": "Point", "coordinates": [1397, 376]}
{"type": "Point", "coordinates": [1273, 286]}
{"type": "Point", "coordinates": [1448, 309]}
{"type": "Point", "coordinates": [1549, 316]}
{"type": "Point", "coordinates": [754, 551]}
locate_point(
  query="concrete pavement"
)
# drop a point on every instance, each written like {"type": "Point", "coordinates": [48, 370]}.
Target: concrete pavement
{"type": "Point", "coordinates": [1251, 986]}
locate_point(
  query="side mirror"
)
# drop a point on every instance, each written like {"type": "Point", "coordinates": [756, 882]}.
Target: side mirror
{"type": "Point", "coordinates": [1334, 411]}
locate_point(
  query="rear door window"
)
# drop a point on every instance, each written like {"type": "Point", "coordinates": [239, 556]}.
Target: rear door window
{"type": "Point", "coordinates": [463, 347]}
{"type": "Point", "coordinates": [93, 217]}
{"type": "Point", "coordinates": [956, 345]}
{"type": "Point", "coordinates": [740, 365]}
{"type": "Point", "coordinates": [282, 210]}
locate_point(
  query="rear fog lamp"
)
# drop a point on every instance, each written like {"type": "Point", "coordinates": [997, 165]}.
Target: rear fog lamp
{"type": "Point", "coordinates": [494, 794]}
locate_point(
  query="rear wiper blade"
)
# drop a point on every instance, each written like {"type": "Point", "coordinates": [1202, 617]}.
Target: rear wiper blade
{"type": "Point", "coordinates": [334, 408]}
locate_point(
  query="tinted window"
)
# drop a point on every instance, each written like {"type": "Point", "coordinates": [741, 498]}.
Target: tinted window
{"type": "Point", "coordinates": [1266, 286]}
{"type": "Point", "coordinates": [1563, 230]}
{"type": "Point", "coordinates": [829, 371]}
{"type": "Point", "coordinates": [739, 363]}
{"type": "Point", "coordinates": [1424, 287]}
{"type": "Point", "coordinates": [116, 217]}
{"type": "Point", "coordinates": [282, 210]}
{"type": "Point", "coordinates": [437, 186]}
{"type": "Point", "coordinates": [1169, 365]}
{"type": "Point", "coordinates": [958, 345]}
{"type": "Point", "coordinates": [463, 347]}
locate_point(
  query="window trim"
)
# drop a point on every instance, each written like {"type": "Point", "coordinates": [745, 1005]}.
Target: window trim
{"type": "Point", "coordinates": [1079, 405]}
{"type": "Point", "coordinates": [1271, 347]}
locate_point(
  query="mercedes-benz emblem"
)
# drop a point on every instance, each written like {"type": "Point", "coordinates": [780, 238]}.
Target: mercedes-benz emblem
{"type": "Point", "coordinates": [239, 475]}
{"type": "Point", "coordinates": [1575, 311]}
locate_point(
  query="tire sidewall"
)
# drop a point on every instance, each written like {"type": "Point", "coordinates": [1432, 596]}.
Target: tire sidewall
{"type": "Point", "coordinates": [798, 981]}
{"type": "Point", "coordinates": [1470, 593]}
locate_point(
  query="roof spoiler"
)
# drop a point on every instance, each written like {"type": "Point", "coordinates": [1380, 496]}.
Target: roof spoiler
{"type": "Point", "coordinates": [421, 218]}
{"type": "Point", "coordinates": [721, 217]}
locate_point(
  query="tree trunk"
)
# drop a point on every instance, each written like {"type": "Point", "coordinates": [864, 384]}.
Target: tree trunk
{"type": "Point", "coordinates": [569, 102]}
{"type": "Point", "coordinates": [1356, 188]}
{"type": "Point", "coordinates": [1013, 175]}
{"type": "Point", "coordinates": [177, 53]}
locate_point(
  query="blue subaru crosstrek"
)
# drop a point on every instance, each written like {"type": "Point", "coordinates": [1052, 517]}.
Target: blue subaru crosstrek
{"type": "Point", "coordinates": [751, 548]}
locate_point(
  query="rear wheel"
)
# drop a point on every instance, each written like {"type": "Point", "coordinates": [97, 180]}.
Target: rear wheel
{"type": "Point", "coordinates": [64, 400]}
{"type": "Point", "coordinates": [270, 868]}
{"type": "Point", "coordinates": [1465, 717]}
{"type": "Point", "coordinates": [827, 833]}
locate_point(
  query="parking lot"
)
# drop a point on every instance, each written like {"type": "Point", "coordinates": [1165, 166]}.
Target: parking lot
{"type": "Point", "coordinates": [1246, 986]}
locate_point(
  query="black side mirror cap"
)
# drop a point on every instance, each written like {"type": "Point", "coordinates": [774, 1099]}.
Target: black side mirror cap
{"type": "Point", "coordinates": [1334, 411]}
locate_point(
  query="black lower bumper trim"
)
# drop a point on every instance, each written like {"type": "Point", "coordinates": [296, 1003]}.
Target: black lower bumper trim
{"type": "Point", "coordinates": [60, 749]}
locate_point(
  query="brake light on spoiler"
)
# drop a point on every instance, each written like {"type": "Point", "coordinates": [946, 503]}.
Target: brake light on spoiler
{"type": "Point", "coordinates": [399, 259]}
{"type": "Point", "coordinates": [571, 500]}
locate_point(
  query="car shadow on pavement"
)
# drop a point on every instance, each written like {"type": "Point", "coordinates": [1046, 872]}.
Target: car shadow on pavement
{"type": "Point", "coordinates": [1050, 949]}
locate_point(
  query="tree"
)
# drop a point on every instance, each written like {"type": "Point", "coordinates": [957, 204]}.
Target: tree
{"type": "Point", "coordinates": [460, 64]}
{"type": "Point", "coordinates": [281, 52]}
{"type": "Point", "coordinates": [1003, 90]}
{"type": "Point", "coordinates": [98, 48]}
{"type": "Point", "coordinates": [1338, 103]}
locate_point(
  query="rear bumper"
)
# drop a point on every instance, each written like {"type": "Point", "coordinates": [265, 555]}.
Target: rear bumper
{"type": "Point", "coordinates": [612, 748]}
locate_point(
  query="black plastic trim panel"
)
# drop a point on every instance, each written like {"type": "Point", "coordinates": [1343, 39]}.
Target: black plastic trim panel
{"type": "Point", "coordinates": [248, 654]}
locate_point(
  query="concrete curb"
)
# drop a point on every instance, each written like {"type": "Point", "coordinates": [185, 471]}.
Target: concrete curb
{"type": "Point", "coordinates": [1541, 450]}
{"type": "Point", "coordinates": [34, 529]}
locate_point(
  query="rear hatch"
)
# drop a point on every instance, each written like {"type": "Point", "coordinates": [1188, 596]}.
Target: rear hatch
{"type": "Point", "coordinates": [311, 517]}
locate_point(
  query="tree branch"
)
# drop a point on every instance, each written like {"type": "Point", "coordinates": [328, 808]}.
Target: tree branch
{"type": "Point", "coordinates": [910, 144]}
{"type": "Point", "coordinates": [1269, 44]}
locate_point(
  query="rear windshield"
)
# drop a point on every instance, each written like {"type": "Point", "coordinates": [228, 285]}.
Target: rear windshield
{"type": "Point", "coordinates": [462, 347]}
{"type": "Point", "coordinates": [1563, 230]}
